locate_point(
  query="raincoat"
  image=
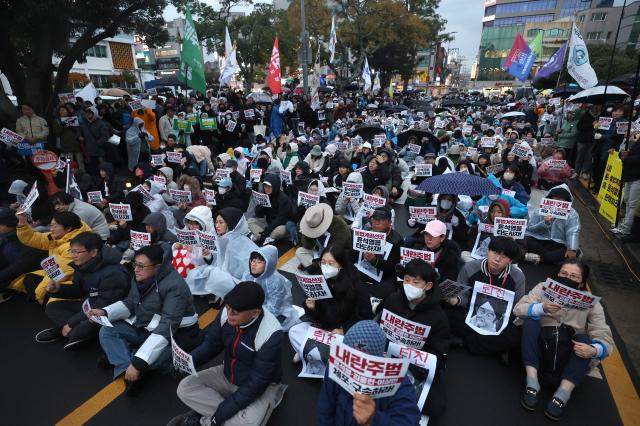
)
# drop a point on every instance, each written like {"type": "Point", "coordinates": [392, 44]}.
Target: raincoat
{"type": "Point", "coordinates": [517, 209]}
{"type": "Point", "coordinates": [563, 231]}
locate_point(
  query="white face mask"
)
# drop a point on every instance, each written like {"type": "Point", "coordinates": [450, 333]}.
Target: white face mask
{"type": "Point", "coordinates": [508, 176]}
{"type": "Point", "coordinates": [163, 145]}
{"type": "Point", "coordinates": [412, 292]}
{"type": "Point", "coordinates": [329, 271]}
{"type": "Point", "coordinates": [446, 204]}
{"type": "Point", "coordinates": [493, 197]}
{"type": "Point", "coordinates": [222, 190]}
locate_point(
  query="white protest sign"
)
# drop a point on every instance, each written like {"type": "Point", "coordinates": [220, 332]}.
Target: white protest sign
{"type": "Point", "coordinates": [369, 241]}
{"type": "Point", "coordinates": [307, 200]}
{"type": "Point", "coordinates": [31, 198]}
{"type": "Point", "coordinates": [471, 151]}
{"type": "Point", "coordinates": [495, 169]}
{"type": "Point", "coordinates": [94, 197]}
{"type": "Point", "coordinates": [372, 202]}
{"type": "Point", "coordinates": [509, 193]}
{"type": "Point", "coordinates": [146, 195]}
{"type": "Point", "coordinates": [160, 180]}
{"type": "Point", "coordinates": [422, 214]}
{"type": "Point", "coordinates": [285, 176]}
{"type": "Point", "coordinates": [547, 141]}
{"type": "Point", "coordinates": [221, 174]}
{"type": "Point", "coordinates": [208, 241]}
{"type": "Point", "coordinates": [604, 123]}
{"type": "Point", "coordinates": [321, 115]}
{"type": "Point", "coordinates": [140, 239]}
{"type": "Point", "coordinates": [403, 331]}
{"type": "Point", "coordinates": [248, 113]}
{"type": "Point", "coordinates": [378, 140]}
{"type": "Point", "coordinates": [450, 288]}
{"type": "Point", "coordinates": [425, 361]}
{"type": "Point", "coordinates": [352, 190]}
{"type": "Point", "coordinates": [555, 101]}
{"type": "Point", "coordinates": [490, 309]}
{"type": "Point", "coordinates": [568, 297]}
{"type": "Point", "coordinates": [507, 227]}
{"type": "Point", "coordinates": [187, 237]}
{"type": "Point", "coordinates": [424, 170]}
{"type": "Point", "coordinates": [52, 269]}
{"type": "Point", "coordinates": [467, 129]}
{"type": "Point", "coordinates": [314, 286]}
{"type": "Point", "coordinates": [157, 160]}
{"type": "Point", "coordinates": [102, 320]}
{"type": "Point", "coordinates": [519, 150]}
{"type": "Point", "coordinates": [406, 254]}
{"type": "Point", "coordinates": [488, 142]}
{"type": "Point", "coordinates": [414, 148]}
{"type": "Point", "coordinates": [182, 360]}
{"type": "Point", "coordinates": [315, 352]}
{"type": "Point", "coordinates": [342, 146]}
{"type": "Point", "coordinates": [209, 196]}
{"type": "Point", "coordinates": [261, 199]}
{"type": "Point", "coordinates": [555, 208]}
{"type": "Point", "coordinates": [180, 196]}
{"type": "Point", "coordinates": [69, 121]}
{"type": "Point", "coordinates": [66, 98]}
{"type": "Point", "coordinates": [231, 126]}
{"type": "Point", "coordinates": [121, 212]}
{"type": "Point", "coordinates": [136, 105]}
{"type": "Point", "coordinates": [481, 246]}
{"type": "Point", "coordinates": [372, 375]}
{"type": "Point", "coordinates": [622, 127]}
{"type": "Point", "coordinates": [255, 175]}
{"type": "Point", "coordinates": [557, 164]}
{"type": "Point", "coordinates": [174, 157]}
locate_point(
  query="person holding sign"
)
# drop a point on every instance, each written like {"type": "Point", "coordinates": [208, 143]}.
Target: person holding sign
{"type": "Point", "coordinates": [158, 305]}
{"type": "Point", "coordinates": [270, 221]}
{"type": "Point", "coordinates": [560, 344]}
{"type": "Point", "coordinates": [33, 128]}
{"type": "Point", "coordinates": [511, 180]}
{"type": "Point", "coordinates": [554, 170]}
{"type": "Point", "coordinates": [187, 256]}
{"type": "Point", "coordinates": [121, 236]}
{"type": "Point", "coordinates": [98, 278]}
{"type": "Point", "coordinates": [63, 228]}
{"type": "Point", "coordinates": [374, 174]}
{"type": "Point", "coordinates": [246, 387]}
{"type": "Point", "coordinates": [92, 216]}
{"type": "Point", "coordinates": [517, 210]}
{"type": "Point", "coordinates": [336, 406]}
{"type": "Point", "coordinates": [69, 136]}
{"type": "Point", "coordinates": [419, 301]}
{"type": "Point", "coordinates": [277, 289]}
{"type": "Point", "coordinates": [349, 304]}
{"type": "Point", "coordinates": [449, 213]}
{"type": "Point", "coordinates": [550, 240]}
{"type": "Point", "coordinates": [349, 207]}
{"type": "Point", "coordinates": [496, 270]}
{"type": "Point", "coordinates": [446, 252]}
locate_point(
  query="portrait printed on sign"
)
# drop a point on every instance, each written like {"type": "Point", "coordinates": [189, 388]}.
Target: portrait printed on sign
{"type": "Point", "coordinates": [490, 309]}
{"type": "Point", "coordinates": [421, 373]}
{"type": "Point", "coordinates": [481, 246]}
{"type": "Point", "coordinates": [315, 352]}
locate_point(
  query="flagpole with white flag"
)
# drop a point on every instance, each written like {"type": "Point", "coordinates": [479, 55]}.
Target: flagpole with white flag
{"type": "Point", "coordinates": [578, 64]}
{"type": "Point", "coordinates": [333, 39]}
{"type": "Point", "coordinates": [366, 75]}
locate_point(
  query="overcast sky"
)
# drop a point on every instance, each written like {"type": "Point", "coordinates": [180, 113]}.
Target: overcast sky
{"type": "Point", "coordinates": [465, 18]}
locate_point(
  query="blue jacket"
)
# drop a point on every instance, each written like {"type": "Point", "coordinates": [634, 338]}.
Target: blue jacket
{"type": "Point", "coordinates": [335, 407]}
{"type": "Point", "coordinates": [276, 122]}
{"type": "Point", "coordinates": [517, 209]}
{"type": "Point", "coordinates": [252, 358]}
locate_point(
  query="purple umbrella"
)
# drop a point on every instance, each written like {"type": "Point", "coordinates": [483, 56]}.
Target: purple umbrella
{"type": "Point", "coordinates": [459, 184]}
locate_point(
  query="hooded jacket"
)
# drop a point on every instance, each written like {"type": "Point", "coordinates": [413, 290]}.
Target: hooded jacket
{"type": "Point", "coordinates": [16, 258]}
{"type": "Point", "coordinates": [171, 184]}
{"type": "Point", "coordinates": [234, 247]}
{"type": "Point", "coordinates": [112, 188]}
{"type": "Point", "coordinates": [91, 216]}
{"type": "Point", "coordinates": [280, 210]}
{"type": "Point", "coordinates": [516, 208]}
{"type": "Point", "coordinates": [477, 270]}
{"type": "Point", "coordinates": [351, 207]}
{"type": "Point", "coordinates": [95, 134]}
{"type": "Point", "coordinates": [291, 157]}
{"type": "Point", "coordinates": [202, 215]}
{"type": "Point", "coordinates": [554, 175]}
{"type": "Point", "coordinates": [159, 223]}
{"type": "Point", "coordinates": [563, 231]}
{"type": "Point", "coordinates": [164, 308]}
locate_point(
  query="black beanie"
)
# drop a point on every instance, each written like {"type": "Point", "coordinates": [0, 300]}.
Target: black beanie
{"type": "Point", "coordinates": [231, 216]}
{"type": "Point", "coordinates": [245, 296]}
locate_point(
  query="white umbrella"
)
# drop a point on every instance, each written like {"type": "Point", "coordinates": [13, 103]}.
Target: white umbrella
{"type": "Point", "coordinates": [596, 94]}
{"type": "Point", "coordinates": [513, 114]}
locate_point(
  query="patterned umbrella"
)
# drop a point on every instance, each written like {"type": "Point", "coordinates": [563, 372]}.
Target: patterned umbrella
{"type": "Point", "coordinates": [459, 184]}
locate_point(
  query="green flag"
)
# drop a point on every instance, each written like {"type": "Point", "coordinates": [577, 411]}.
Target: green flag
{"type": "Point", "coordinates": [191, 64]}
{"type": "Point", "coordinates": [536, 45]}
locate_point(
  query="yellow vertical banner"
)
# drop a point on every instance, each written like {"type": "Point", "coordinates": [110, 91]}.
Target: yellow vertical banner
{"type": "Point", "coordinates": [610, 189]}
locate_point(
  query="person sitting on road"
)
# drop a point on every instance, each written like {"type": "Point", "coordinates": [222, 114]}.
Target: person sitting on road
{"type": "Point", "coordinates": [320, 228]}
{"type": "Point", "coordinates": [560, 345]}
{"type": "Point", "coordinates": [449, 213]}
{"type": "Point", "coordinates": [246, 387]}
{"type": "Point", "coordinates": [337, 407]}
{"type": "Point", "coordinates": [549, 239]}
{"type": "Point", "coordinates": [498, 208]}
{"type": "Point", "coordinates": [446, 252]}
{"type": "Point", "coordinates": [549, 177]}
{"type": "Point", "coordinates": [269, 222]}
{"type": "Point", "coordinates": [348, 207]}
{"type": "Point", "coordinates": [91, 215]}
{"type": "Point", "coordinates": [158, 304]}
{"type": "Point", "coordinates": [98, 278]}
{"type": "Point", "coordinates": [517, 210]}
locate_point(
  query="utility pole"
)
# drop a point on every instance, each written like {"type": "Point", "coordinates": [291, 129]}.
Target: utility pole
{"type": "Point", "coordinates": [304, 47]}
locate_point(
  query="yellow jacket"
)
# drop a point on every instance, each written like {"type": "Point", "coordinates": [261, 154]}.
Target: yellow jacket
{"type": "Point", "coordinates": [61, 249]}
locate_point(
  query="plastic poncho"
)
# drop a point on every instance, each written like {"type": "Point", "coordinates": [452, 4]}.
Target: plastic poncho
{"type": "Point", "coordinates": [277, 289]}
{"type": "Point", "coordinates": [134, 142]}
{"type": "Point", "coordinates": [517, 209]}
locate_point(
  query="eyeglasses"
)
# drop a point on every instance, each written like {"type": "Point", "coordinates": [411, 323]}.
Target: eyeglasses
{"type": "Point", "coordinates": [486, 312]}
{"type": "Point", "coordinates": [137, 265]}
{"type": "Point", "coordinates": [572, 277]}
{"type": "Point", "coordinates": [74, 252]}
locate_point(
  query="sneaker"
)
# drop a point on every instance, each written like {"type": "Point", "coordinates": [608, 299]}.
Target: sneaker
{"type": "Point", "coordinates": [190, 418]}
{"type": "Point", "coordinates": [555, 409]}
{"type": "Point", "coordinates": [6, 295]}
{"type": "Point", "coordinates": [132, 389]}
{"type": "Point", "coordinates": [532, 258]}
{"type": "Point", "coordinates": [296, 358]}
{"type": "Point", "coordinates": [75, 344]}
{"type": "Point", "coordinates": [268, 240]}
{"type": "Point", "coordinates": [49, 335]}
{"type": "Point", "coordinates": [529, 399]}
{"type": "Point", "coordinates": [103, 362]}
{"type": "Point", "coordinates": [620, 231]}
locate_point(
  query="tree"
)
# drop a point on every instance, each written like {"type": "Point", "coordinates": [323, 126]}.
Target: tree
{"type": "Point", "coordinates": [32, 32]}
{"type": "Point", "coordinates": [624, 61]}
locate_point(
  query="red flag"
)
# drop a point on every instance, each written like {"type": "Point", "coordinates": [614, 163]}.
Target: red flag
{"type": "Point", "coordinates": [274, 70]}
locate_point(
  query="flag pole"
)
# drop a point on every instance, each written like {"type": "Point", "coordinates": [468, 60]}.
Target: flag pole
{"type": "Point", "coordinates": [68, 181]}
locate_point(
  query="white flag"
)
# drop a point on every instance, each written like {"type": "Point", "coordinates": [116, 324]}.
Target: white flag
{"type": "Point", "coordinates": [376, 82]}
{"type": "Point", "coordinates": [228, 47]}
{"type": "Point", "coordinates": [88, 93]}
{"type": "Point", "coordinates": [230, 68]}
{"type": "Point", "coordinates": [333, 39]}
{"type": "Point", "coordinates": [366, 75]}
{"type": "Point", "coordinates": [578, 63]}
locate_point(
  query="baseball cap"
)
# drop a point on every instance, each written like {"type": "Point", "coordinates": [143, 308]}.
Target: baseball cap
{"type": "Point", "coordinates": [435, 228]}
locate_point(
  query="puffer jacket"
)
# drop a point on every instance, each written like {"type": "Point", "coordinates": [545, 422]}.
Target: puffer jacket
{"type": "Point", "coordinates": [563, 231]}
{"type": "Point", "coordinates": [91, 216]}
{"type": "Point", "coordinates": [516, 208]}
{"type": "Point", "coordinates": [60, 248]}
{"type": "Point", "coordinates": [252, 358]}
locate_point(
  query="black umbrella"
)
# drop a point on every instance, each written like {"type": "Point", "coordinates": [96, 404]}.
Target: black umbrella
{"type": "Point", "coordinates": [453, 103]}
{"type": "Point", "coordinates": [479, 104]}
{"type": "Point", "coordinates": [424, 108]}
{"type": "Point", "coordinates": [325, 89]}
{"type": "Point", "coordinates": [403, 138]}
{"type": "Point", "coordinates": [368, 132]}
{"type": "Point", "coordinates": [390, 109]}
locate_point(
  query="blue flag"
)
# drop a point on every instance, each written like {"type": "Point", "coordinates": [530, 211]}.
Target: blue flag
{"type": "Point", "coordinates": [520, 59]}
{"type": "Point", "coordinates": [553, 65]}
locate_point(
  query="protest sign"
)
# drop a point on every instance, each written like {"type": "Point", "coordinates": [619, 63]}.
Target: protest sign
{"type": "Point", "coordinates": [192, 118]}
{"type": "Point", "coordinates": [45, 160]}
{"type": "Point", "coordinates": [301, 127]}
{"type": "Point", "coordinates": [182, 125]}
{"type": "Point", "coordinates": [490, 309]}
{"type": "Point", "coordinates": [285, 177]}
{"type": "Point", "coordinates": [481, 246]}
{"type": "Point", "coordinates": [488, 142]}
{"type": "Point", "coordinates": [180, 196]}
{"type": "Point", "coordinates": [152, 92]}
{"type": "Point", "coordinates": [471, 152]}
{"type": "Point", "coordinates": [248, 113]}
{"type": "Point", "coordinates": [372, 202]}
{"type": "Point", "coordinates": [424, 361]}
{"type": "Point", "coordinates": [415, 148]}
{"type": "Point", "coordinates": [136, 105]}
{"type": "Point", "coordinates": [314, 286]}
{"type": "Point", "coordinates": [467, 129]}
{"type": "Point", "coordinates": [209, 196]}
{"type": "Point", "coordinates": [557, 164]}
{"type": "Point", "coordinates": [509, 193]}
{"type": "Point", "coordinates": [555, 208]}
{"type": "Point", "coordinates": [622, 127]}
{"type": "Point", "coordinates": [261, 199]}
{"type": "Point", "coordinates": [146, 195]}
{"type": "Point", "coordinates": [307, 200]}
{"type": "Point", "coordinates": [568, 297]}
{"type": "Point", "coordinates": [94, 197]}
{"type": "Point", "coordinates": [121, 212]}
{"type": "Point", "coordinates": [403, 331]}
{"type": "Point", "coordinates": [102, 320]}
{"type": "Point", "coordinates": [158, 160]}
{"type": "Point", "coordinates": [231, 126]}
{"type": "Point", "coordinates": [182, 360]}
{"type": "Point", "coordinates": [507, 227]}
{"type": "Point", "coordinates": [235, 114]}
{"type": "Point", "coordinates": [255, 175]}
{"type": "Point", "coordinates": [423, 170]}
{"type": "Point", "coordinates": [378, 140]}
{"type": "Point", "coordinates": [406, 254]}
{"type": "Point", "coordinates": [422, 214]}
{"type": "Point", "coordinates": [555, 101]}
{"type": "Point", "coordinates": [450, 288]}
{"type": "Point", "coordinates": [369, 241]}
{"type": "Point", "coordinates": [69, 121]}
{"type": "Point", "coordinates": [221, 174]}
{"type": "Point", "coordinates": [10, 137]}
{"type": "Point", "coordinates": [547, 141]}
{"type": "Point", "coordinates": [519, 150]}
{"type": "Point", "coordinates": [315, 352]}
{"type": "Point", "coordinates": [148, 103]}
{"type": "Point", "coordinates": [51, 267]}
{"type": "Point", "coordinates": [31, 198]}
{"type": "Point", "coordinates": [495, 169]}
{"type": "Point", "coordinates": [67, 98]}
{"type": "Point", "coordinates": [140, 239]}
{"type": "Point", "coordinates": [352, 190]}
{"type": "Point", "coordinates": [342, 146]}
{"type": "Point", "coordinates": [208, 124]}
{"type": "Point", "coordinates": [208, 241]}
{"type": "Point", "coordinates": [160, 180]}
{"type": "Point", "coordinates": [321, 115]}
{"type": "Point", "coordinates": [356, 371]}
{"type": "Point", "coordinates": [187, 237]}
{"type": "Point", "coordinates": [610, 189]}
{"type": "Point", "coordinates": [174, 157]}
{"type": "Point", "coordinates": [438, 123]}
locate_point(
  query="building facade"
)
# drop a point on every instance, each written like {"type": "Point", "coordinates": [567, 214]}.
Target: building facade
{"type": "Point", "coordinates": [599, 25]}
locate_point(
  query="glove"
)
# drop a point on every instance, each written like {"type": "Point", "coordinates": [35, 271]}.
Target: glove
{"type": "Point", "coordinates": [454, 221]}
{"type": "Point", "coordinates": [411, 222]}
